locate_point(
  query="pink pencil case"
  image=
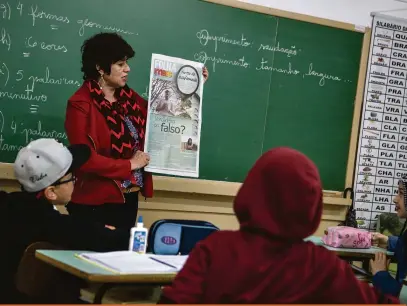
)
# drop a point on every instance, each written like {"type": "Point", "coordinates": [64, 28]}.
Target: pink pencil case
{"type": "Point", "coordinates": [347, 237]}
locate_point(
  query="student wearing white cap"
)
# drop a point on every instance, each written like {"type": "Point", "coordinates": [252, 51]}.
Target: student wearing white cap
{"type": "Point", "coordinates": [45, 169]}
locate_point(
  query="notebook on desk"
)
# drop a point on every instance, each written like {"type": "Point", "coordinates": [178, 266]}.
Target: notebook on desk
{"type": "Point", "coordinates": [127, 262]}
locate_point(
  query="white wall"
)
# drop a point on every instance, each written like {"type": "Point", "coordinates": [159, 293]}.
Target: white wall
{"type": "Point", "coordinates": [351, 11]}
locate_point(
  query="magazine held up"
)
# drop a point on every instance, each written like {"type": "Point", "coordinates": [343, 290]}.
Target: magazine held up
{"type": "Point", "coordinates": [174, 116]}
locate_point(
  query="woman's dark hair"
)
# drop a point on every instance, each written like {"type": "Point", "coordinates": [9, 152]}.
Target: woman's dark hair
{"type": "Point", "coordinates": [189, 140]}
{"type": "Point", "coordinates": [103, 49]}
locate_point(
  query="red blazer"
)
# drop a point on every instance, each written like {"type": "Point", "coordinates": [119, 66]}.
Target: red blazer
{"type": "Point", "coordinates": [99, 179]}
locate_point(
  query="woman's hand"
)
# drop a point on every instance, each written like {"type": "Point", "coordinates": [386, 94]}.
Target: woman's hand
{"type": "Point", "coordinates": [380, 263]}
{"type": "Point", "coordinates": [380, 240]}
{"type": "Point", "coordinates": [139, 160]}
{"type": "Point", "coordinates": [205, 74]}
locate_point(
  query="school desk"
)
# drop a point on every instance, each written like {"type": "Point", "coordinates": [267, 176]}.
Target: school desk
{"type": "Point", "coordinates": [359, 254]}
{"type": "Point", "coordinates": [68, 262]}
{"type": "Point", "coordinates": [362, 255]}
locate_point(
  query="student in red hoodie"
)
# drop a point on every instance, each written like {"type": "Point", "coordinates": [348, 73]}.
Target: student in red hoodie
{"type": "Point", "coordinates": [267, 260]}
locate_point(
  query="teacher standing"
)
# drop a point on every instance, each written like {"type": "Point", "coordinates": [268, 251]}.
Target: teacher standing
{"type": "Point", "coordinates": [111, 118]}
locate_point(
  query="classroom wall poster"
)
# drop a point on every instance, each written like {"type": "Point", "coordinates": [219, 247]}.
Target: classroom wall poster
{"type": "Point", "coordinates": [382, 149]}
{"type": "Point", "coordinates": [174, 116]}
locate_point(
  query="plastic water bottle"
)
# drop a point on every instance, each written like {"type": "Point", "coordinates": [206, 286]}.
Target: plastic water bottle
{"type": "Point", "coordinates": [138, 237]}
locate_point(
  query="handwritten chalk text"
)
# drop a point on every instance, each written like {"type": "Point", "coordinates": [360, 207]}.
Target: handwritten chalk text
{"type": "Point", "coordinates": [36, 14]}
{"type": "Point", "coordinates": [204, 58]}
{"type": "Point", "coordinates": [86, 23]}
{"type": "Point", "coordinates": [322, 76]}
{"type": "Point", "coordinates": [289, 52]}
{"type": "Point", "coordinates": [289, 71]}
{"type": "Point", "coordinates": [204, 37]}
{"type": "Point", "coordinates": [47, 79]}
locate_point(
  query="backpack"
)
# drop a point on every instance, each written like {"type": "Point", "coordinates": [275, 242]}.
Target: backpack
{"type": "Point", "coordinates": [173, 237]}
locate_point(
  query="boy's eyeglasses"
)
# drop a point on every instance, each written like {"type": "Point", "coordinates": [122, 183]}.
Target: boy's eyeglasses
{"type": "Point", "coordinates": [72, 179]}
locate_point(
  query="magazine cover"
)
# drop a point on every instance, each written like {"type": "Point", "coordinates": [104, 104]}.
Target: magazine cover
{"type": "Point", "coordinates": [174, 116]}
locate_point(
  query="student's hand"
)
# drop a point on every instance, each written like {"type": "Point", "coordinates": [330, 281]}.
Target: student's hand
{"type": "Point", "coordinates": [205, 74]}
{"type": "Point", "coordinates": [110, 227]}
{"type": "Point", "coordinates": [139, 160]}
{"type": "Point", "coordinates": [380, 240]}
{"type": "Point", "coordinates": [380, 263]}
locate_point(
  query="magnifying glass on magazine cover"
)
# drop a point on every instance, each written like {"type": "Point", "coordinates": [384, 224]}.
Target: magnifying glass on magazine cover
{"type": "Point", "coordinates": [188, 80]}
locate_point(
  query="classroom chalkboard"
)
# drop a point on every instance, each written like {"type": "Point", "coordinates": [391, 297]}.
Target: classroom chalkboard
{"type": "Point", "coordinates": [273, 81]}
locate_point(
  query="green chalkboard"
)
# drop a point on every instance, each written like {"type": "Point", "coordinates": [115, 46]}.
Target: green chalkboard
{"type": "Point", "coordinates": [273, 81]}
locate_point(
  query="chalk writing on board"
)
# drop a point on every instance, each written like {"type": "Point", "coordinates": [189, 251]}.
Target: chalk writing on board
{"type": "Point", "coordinates": [4, 72]}
{"type": "Point", "coordinates": [5, 10]}
{"type": "Point", "coordinates": [13, 126]}
{"type": "Point", "coordinates": [5, 38]}
{"type": "Point", "coordinates": [85, 23]}
{"type": "Point", "coordinates": [203, 58]}
{"type": "Point", "coordinates": [29, 134]}
{"type": "Point", "coordinates": [322, 76]}
{"type": "Point", "coordinates": [19, 75]}
{"type": "Point", "coordinates": [204, 37]}
{"type": "Point", "coordinates": [34, 108]}
{"type": "Point", "coordinates": [20, 8]}
{"type": "Point", "coordinates": [36, 13]}
{"type": "Point", "coordinates": [290, 52]}
{"type": "Point", "coordinates": [48, 79]}
{"type": "Point", "coordinates": [39, 132]}
{"type": "Point", "coordinates": [8, 147]}
{"type": "Point", "coordinates": [1, 122]}
{"type": "Point", "coordinates": [311, 72]}
{"type": "Point", "coordinates": [23, 96]}
{"type": "Point", "coordinates": [145, 93]}
{"type": "Point", "coordinates": [30, 42]}
{"type": "Point", "coordinates": [3, 145]}
{"type": "Point", "coordinates": [289, 71]}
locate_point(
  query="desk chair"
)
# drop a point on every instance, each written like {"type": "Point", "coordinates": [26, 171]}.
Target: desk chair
{"type": "Point", "coordinates": [42, 283]}
{"type": "Point", "coordinates": [182, 235]}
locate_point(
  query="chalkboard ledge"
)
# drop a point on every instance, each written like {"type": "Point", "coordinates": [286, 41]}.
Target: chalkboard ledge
{"type": "Point", "coordinates": [220, 188]}
{"type": "Point", "coordinates": [196, 186]}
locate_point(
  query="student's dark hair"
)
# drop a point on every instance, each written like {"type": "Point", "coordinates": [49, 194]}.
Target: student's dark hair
{"type": "Point", "coordinates": [103, 49]}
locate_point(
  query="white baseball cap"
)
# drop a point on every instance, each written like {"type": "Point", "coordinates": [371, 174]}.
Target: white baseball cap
{"type": "Point", "coordinates": [44, 161]}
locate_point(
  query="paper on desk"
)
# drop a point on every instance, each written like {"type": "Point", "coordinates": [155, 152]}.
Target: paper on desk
{"type": "Point", "coordinates": [176, 261]}
{"type": "Point", "coordinates": [127, 262]}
